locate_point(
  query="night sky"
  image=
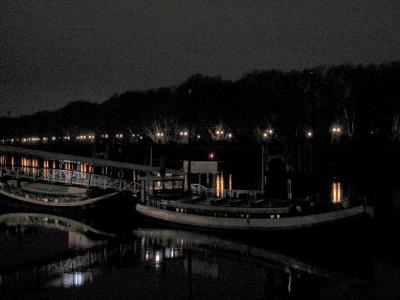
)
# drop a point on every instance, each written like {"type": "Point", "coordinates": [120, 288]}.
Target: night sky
{"type": "Point", "coordinates": [55, 52]}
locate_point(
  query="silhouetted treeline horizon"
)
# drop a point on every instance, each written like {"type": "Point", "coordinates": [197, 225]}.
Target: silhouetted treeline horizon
{"type": "Point", "coordinates": [362, 99]}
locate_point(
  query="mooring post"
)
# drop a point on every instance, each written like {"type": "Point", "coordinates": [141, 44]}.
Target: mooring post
{"type": "Point", "coordinates": [289, 189]}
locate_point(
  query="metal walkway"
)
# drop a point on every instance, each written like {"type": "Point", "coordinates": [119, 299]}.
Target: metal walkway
{"type": "Point", "coordinates": [69, 177]}
{"type": "Point", "coordinates": [83, 159]}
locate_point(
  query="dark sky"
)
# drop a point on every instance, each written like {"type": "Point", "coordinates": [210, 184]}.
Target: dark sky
{"type": "Point", "coordinates": [54, 52]}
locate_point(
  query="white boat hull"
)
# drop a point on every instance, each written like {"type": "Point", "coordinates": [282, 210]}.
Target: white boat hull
{"type": "Point", "coordinates": [253, 224]}
{"type": "Point", "coordinates": [57, 204]}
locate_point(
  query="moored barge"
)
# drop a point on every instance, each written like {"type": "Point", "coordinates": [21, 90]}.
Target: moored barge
{"type": "Point", "coordinates": [169, 203]}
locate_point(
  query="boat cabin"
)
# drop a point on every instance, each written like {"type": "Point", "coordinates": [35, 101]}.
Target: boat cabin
{"type": "Point", "coordinates": [161, 186]}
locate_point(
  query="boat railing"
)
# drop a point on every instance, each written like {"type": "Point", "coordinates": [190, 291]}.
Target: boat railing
{"type": "Point", "coordinates": [225, 193]}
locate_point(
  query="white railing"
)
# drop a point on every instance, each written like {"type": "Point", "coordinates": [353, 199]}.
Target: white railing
{"type": "Point", "coordinates": [93, 161]}
{"type": "Point", "coordinates": [233, 193]}
{"type": "Point", "coordinates": [199, 189]}
{"type": "Point", "coordinates": [69, 177]}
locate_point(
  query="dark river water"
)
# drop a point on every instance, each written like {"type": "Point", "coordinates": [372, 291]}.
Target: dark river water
{"type": "Point", "coordinates": [50, 256]}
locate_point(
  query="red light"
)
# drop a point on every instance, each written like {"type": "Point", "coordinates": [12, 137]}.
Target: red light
{"type": "Point", "coordinates": [211, 155]}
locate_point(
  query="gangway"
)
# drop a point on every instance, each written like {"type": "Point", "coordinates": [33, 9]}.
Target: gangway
{"type": "Point", "coordinates": [69, 177]}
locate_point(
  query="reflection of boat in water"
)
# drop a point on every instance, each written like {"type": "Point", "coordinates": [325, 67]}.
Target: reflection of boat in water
{"type": "Point", "coordinates": [205, 250]}
{"type": "Point", "coordinates": [61, 248]}
{"type": "Point", "coordinates": [172, 206]}
{"type": "Point", "coordinates": [176, 255]}
{"type": "Point", "coordinates": [63, 235]}
{"type": "Point", "coordinates": [62, 197]}
{"type": "Point", "coordinates": [51, 222]}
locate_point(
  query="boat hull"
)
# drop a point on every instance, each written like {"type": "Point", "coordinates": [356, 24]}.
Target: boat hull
{"type": "Point", "coordinates": [253, 224]}
{"type": "Point", "coordinates": [114, 202]}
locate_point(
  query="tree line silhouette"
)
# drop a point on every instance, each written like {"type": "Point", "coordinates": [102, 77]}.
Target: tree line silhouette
{"type": "Point", "coordinates": [362, 99]}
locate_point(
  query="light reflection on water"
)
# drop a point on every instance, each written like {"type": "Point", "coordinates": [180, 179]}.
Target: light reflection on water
{"type": "Point", "coordinates": [72, 279]}
{"type": "Point", "coordinates": [83, 245]}
{"type": "Point", "coordinates": [215, 264]}
{"type": "Point", "coordinates": [337, 192]}
{"type": "Point", "coordinates": [220, 185]}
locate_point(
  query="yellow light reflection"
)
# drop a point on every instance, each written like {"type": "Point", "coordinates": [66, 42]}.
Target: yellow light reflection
{"type": "Point", "coordinates": [220, 185]}
{"type": "Point", "coordinates": [35, 165]}
{"type": "Point", "coordinates": [337, 192]}
{"type": "Point", "coordinates": [45, 168]}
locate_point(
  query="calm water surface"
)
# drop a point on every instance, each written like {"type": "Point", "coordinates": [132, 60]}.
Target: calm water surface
{"type": "Point", "coordinates": [49, 256]}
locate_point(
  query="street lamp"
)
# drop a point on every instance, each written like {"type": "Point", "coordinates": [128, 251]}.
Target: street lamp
{"type": "Point", "coordinates": [267, 133]}
{"type": "Point", "coordinates": [266, 136]}
{"type": "Point", "coordinates": [336, 132]}
{"type": "Point", "coordinates": [183, 133]}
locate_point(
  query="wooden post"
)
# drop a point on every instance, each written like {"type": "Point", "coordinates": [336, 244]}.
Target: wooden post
{"type": "Point", "coordinates": [289, 189]}
{"type": "Point", "coordinates": [142, 192]}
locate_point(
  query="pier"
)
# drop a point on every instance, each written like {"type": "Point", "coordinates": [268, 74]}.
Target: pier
{"type": "Point", "coordinates": [73, 177]}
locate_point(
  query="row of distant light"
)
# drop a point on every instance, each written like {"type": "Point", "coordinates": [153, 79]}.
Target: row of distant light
{"type": "Point", "coordinates": [336, 130]}
{"type": "Point", "coordinates": [220, 133]}
{"type": "Point", "coordinates": [68, 138]}
{"type": "Point", "coordinates": [158, 135]}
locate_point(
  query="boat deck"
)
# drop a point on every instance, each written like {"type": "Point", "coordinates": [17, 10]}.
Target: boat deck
{"type": "Point", "coordinates": [52, 189]}
{"type": "Point", "coordinates": [51, 195]}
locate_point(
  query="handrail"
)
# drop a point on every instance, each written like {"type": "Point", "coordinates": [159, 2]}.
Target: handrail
{"type": "Point", "coordinates": [232, 193]}
{"type": "Point", "coordinates": [69, 177]}
{"type": "Point", "coordinates": [90, 160]}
